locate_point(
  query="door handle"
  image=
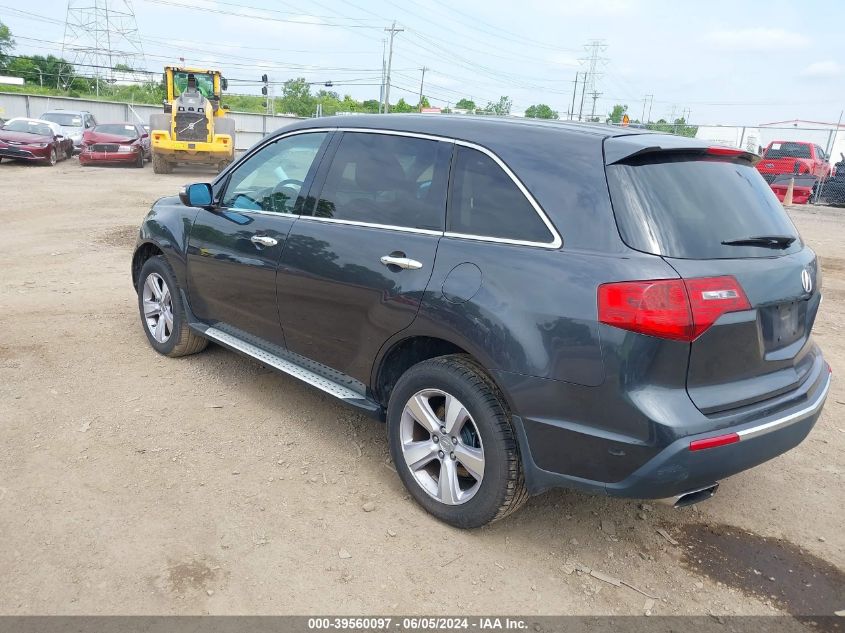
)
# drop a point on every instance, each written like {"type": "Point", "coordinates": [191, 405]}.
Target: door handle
{"type": "Point", "coordinates": [402, 262]}
{"type": "Point", "coordinates": [263, 240]}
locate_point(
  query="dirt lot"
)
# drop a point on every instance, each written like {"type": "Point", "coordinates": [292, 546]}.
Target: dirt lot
{"type": "Point", "coordinates": [133, 483]}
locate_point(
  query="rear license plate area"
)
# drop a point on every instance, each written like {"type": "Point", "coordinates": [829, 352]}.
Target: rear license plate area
{"type": "Point", "coordinates": [783, 324]}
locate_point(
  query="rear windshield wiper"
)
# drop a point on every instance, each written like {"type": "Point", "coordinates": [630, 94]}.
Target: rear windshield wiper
{"type": "Point", "coordinates": [765, 241]}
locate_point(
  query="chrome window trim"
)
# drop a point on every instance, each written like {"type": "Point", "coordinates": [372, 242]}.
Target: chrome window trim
{"type": "Point", "coordinates": [372, 225]}
{"type": "Point", "coordinates": [556, 242]}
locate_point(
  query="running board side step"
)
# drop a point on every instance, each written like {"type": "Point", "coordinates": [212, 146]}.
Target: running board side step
{"type": "Point", "coordinates": [323, 378]}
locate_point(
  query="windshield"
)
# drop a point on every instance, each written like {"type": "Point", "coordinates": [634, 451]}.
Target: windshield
{"type": "Point", "coordinates": [682, 207]}
{"type": "Point", "coordinates": [787, 150]}
{"type": "Point", "coordinates": [205, 83]}
{"type": "Point", "coordinates": [126, 130]}
{"type": "Point", "coordinates": [63, 118]}
{"type": "Point", "coordinates": [31, 127]}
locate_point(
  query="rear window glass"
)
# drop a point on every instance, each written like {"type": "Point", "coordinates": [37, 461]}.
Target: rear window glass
{"type": "Point", "coordinates": [787, 150]}
{"type": "Point", "coordinates": [686, 208]}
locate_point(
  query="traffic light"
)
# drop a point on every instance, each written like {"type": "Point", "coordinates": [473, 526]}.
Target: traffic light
{"type": "Point", "coordinates": [266, 81]}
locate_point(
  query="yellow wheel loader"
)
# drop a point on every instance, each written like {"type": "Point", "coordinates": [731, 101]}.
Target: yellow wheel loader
{"type": "Point", "coordinates": [194, 127]}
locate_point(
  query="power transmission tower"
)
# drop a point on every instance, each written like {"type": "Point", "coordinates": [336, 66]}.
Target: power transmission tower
{"type": "Point", "coordinates": [393, 31]}
{"type": "Point", "coordinates": [593, 61]}
{"type": "Point", "coordinates": [422, 81]}
{"type": "Point", "coordinates": [101, 34]}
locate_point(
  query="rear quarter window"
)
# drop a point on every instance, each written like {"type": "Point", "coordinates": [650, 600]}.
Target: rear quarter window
{"type": "Point", "coordinates": [486, 202]}
{"type": "Point", "coordinates": [686, 207]}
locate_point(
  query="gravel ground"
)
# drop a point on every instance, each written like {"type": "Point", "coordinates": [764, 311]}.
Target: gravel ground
{"type": "Point", "coordinates": [133, 483]}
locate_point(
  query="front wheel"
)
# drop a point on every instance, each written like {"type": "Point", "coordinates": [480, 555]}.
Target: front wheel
{"type": "Point", "coordinates": [54, 157]}
{"type": "Point", "coordinates": [69, 153]}
{"type": "Point", "coordinates": [452, 442]}
{"type": "Point", "coordinates": [162, 313]}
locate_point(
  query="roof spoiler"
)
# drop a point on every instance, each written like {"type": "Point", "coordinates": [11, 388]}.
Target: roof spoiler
{"type": "Point", "coordinates": [624, 148]}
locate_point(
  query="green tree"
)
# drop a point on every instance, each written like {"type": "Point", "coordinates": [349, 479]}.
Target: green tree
{"type": "Point", "coordinates": [466, 104]}
{"type": "Point", "coordinates": [679, 127]}
{"type": "Point", "coordinates": [7, 43]}
{"type": "Point", "coordinates": [617, 113]}
{"type": "Point", "coordinates": [425, 103]}
{"type": "Point", "coordinates": [541, 111]}
{"type": "Point", "coordinates": [297, 97]}
{"type": "Point", "coordinates": [501, 108]}
{"type": "Point", "coordinates": [402, 106]}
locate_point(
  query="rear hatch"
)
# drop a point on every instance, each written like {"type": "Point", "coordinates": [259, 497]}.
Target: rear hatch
{"type": "Point", "coordinates": [710, 215]}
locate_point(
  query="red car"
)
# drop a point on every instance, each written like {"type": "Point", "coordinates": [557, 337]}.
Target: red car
{"type": "Point", "coordinates": [126, 143]}
{"type": "Point", "coordinates": [34, 140]}
{"type": "Point", "coordinates": [793, 157]}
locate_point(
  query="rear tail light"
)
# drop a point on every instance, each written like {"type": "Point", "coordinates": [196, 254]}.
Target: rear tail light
{"type": "Point", "coordinates": [713, 442]}
{"type": "Point", "coordinates": [678, 309]}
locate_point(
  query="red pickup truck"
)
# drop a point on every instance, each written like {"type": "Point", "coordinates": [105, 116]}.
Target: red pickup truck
{"type": "Point", "coordinates": [793, 157]}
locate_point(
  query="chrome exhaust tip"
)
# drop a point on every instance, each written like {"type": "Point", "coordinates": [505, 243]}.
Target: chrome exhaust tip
{"type": "Point", "coordinates": [690, 497]}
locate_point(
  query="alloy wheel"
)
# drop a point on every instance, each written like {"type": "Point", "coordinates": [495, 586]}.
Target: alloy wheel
{"type": "Point", "coordinates": [158, 307]}
{"type": "Point", "coordinates": [442, 446]}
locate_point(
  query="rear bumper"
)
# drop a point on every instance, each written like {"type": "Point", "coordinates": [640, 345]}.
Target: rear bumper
{"type": "Point", "coordinates": [667, 467]}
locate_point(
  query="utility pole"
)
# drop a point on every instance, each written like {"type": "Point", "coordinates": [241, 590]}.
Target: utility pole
{"type": "Point", "coordinates": [583, 90]}
{"type": "Point", "coordinates": [574, 91]}
{"type": "Point", "coordinates": [422, 81]}
{"type": "Point", "coordinates": [645, 99]}
{"type": "Point", "coordinates": [383, 69]}
{"type": "Point", "coordinates": [595, 95]}
{"type": "Point", "coordinates": [393, 31]}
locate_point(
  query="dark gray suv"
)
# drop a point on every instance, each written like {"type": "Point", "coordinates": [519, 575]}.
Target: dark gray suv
{"type": "Point", "coordinates": [527, 305]}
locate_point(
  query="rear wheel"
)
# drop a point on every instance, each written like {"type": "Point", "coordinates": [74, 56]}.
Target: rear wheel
{"type": "Point", "coordinates": [162, 313]}
{"type": "Point", "coordinates": [453, 444]}
{"type": "Point", "coordinates": [161, 165]}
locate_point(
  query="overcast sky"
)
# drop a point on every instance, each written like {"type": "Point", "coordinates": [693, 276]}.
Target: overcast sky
{"type": "Point", "coordinates": [727, 62]}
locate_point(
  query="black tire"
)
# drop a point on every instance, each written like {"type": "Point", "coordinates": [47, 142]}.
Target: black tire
{"type": "Point", "coordinates": [140, 162]}
{"type": "Point", "coordinates": [54, 157]}
{"type": "Point", "coordinates": [69, 153]}
{"type": "Point", "coordinates": [502, 488]}
{"type": "Point", "coordinates": [161, 165]}
{"type": "Point", "coordinates": [182, 340]}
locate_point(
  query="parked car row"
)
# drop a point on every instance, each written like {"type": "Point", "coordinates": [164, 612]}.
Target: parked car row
{"type": "Point", "coordinates": [60, 134]}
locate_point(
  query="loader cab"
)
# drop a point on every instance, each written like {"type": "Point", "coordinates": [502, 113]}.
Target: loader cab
{"type": "Point", "coordinates": [193, 83]}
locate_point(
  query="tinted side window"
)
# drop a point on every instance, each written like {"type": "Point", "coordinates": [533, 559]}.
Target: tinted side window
{"type": "Point", "coordinates": [486, 202]}
{"type": "Point", "coordinates": [272, 178]}
{"type": "Point", "coordinates": [385, 179]}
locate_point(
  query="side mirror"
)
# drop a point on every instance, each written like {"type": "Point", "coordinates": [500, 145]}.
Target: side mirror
{"type": "Point", "coordinates": [196, 195]}
{"type": "Point", "coordinates": [145, 135]}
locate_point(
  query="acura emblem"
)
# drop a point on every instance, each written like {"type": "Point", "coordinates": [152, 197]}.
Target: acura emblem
{"type": "Point", "coordinates": [806, 281]}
